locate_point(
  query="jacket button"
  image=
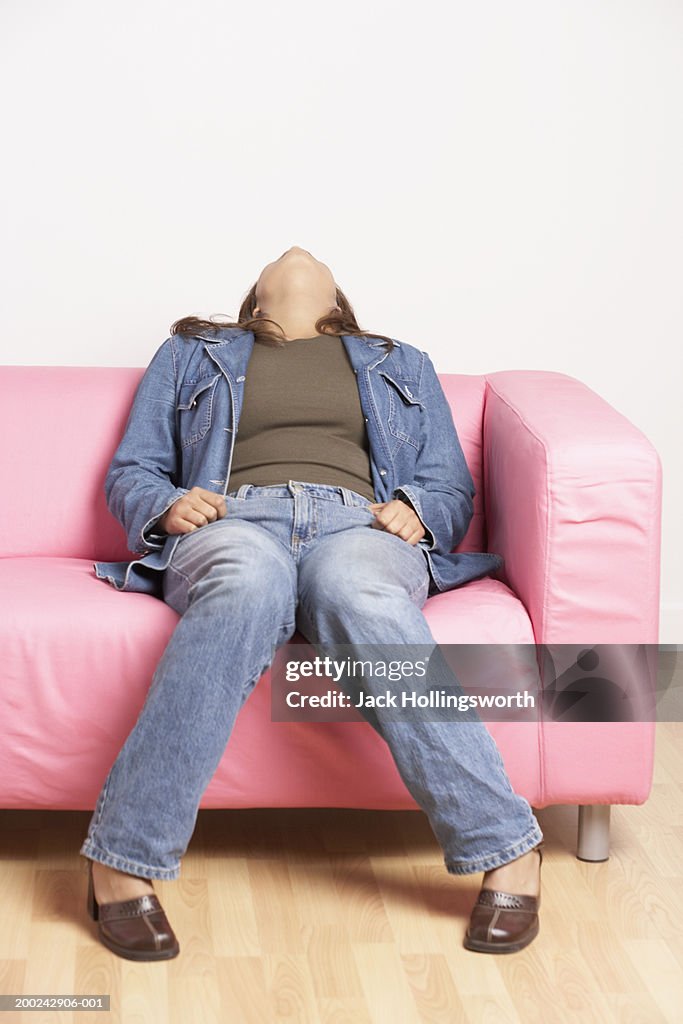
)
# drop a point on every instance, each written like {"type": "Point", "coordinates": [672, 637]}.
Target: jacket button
{"type": "Point", "coordinates": [239, 379]}
{"type": "Point", "coordinates": [366, 419]}
{"type": "Point", "coordinates": [382, 472]}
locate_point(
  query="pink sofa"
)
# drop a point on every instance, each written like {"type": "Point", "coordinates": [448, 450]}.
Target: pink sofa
{"type": "Point", "coordinates": [568, 491]}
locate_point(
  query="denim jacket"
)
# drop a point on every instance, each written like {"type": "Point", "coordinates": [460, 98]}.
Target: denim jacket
{"type": "Point", "coordinates": [181, 433]}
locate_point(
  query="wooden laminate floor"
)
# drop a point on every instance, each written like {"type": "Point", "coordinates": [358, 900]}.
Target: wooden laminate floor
{"type": "Point", "coordinates": [349, 917]}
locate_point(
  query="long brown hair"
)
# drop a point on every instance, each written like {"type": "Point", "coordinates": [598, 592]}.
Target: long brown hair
{"type": "Point", "coordinates": [335, 322]}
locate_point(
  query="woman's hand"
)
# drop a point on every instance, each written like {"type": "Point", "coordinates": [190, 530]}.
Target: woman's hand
{"type": "Point", "coordinates": [397, 517]}
{"type": "Point", "coordinates": [195, 509]}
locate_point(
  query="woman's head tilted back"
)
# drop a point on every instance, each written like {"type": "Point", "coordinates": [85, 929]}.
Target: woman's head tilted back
{"type": "Point", "coordinates": [297, 295]}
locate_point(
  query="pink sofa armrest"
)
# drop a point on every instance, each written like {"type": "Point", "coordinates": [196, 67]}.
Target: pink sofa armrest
{"type": "Point", "coordinates": [573, 502]}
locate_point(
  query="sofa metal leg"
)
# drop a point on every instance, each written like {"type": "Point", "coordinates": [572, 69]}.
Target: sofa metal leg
{"type": "Point", "coordinates": [593, 832]}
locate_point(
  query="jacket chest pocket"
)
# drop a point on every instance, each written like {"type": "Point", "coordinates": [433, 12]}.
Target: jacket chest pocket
{"type": "Point", "coordinates": [194, 409]}
{"type": "Point", "coordinates": [405, 411]}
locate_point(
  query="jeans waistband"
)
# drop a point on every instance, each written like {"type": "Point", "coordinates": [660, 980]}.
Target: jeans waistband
{"type": "Point", "coordinates": [344, 495]}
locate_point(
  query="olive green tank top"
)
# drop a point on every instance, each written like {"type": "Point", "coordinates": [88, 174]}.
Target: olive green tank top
{"type": "Point", "coordinates": [301, 418]}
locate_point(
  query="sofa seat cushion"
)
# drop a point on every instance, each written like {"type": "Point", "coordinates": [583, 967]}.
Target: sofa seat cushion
{"type": "Point", "coordinates": [77, 663]}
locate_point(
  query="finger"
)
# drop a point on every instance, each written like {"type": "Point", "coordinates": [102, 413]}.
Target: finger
{"type": "Point", "coordinates": [390, 527]}
{"type": "Point", "coordinates": [195, 517]}
{"type": "Point", "coordinates": [407, 531]}
{"type": "Point", "coordinates": [387, 514]}
{"type": "Point", "coordinates": [410, 527]}
{"type": "Point", "coordinates": [208, 509]}
{"type": "Point", "coordinates": [394, 518]}
{"type": "Point", "coordinates": [180, 526]}
{"type": "Point", "coordinates": [217, 501]}
{"type": "Point", "coordinates": [384, 516]}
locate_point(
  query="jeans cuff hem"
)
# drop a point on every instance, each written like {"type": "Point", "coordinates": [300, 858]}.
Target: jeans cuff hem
{"type": "Point", "coordinates": [496, 860]}
{"type": "Point", "coordinates": [130, 867]}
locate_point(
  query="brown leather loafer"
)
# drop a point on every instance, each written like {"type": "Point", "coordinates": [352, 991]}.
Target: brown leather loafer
{"type": "Point", "coordinates": [135, 929]}
{"type": "Point", "coordinates": [504, 922]}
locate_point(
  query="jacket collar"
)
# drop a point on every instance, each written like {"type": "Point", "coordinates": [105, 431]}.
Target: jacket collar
{"type": "Point", "coordinates": [231, 348]}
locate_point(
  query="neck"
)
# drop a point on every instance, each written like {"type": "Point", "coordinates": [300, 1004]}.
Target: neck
{"type": "Point", "coordinates": [295, 323]}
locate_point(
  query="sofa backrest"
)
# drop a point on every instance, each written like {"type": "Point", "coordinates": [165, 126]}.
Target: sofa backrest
{"type": "Point", "coordinates": [59, 428]}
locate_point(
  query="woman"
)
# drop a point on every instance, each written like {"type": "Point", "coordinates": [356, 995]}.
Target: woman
{"type": "Point", "coordinates": [342, 496]}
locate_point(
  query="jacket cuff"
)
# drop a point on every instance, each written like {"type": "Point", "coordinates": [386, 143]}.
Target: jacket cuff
{"type": "Point", "coordinates": [407, 495]}
{"type": "Point", "coordinates": [148, 537]}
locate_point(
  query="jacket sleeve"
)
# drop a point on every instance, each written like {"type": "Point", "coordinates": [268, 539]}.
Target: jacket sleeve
{"type": "Point", "coordinates": [442, 489]}
{"type": "Point", "coordinates": [140, 484]}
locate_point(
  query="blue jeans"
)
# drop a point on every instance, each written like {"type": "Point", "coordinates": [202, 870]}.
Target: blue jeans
{"type": "Point", "coordinates": [286, 557]}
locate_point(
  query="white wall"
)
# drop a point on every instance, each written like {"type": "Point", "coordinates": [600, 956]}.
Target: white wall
{"type": "Point", "coordinates": [497, 183]}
